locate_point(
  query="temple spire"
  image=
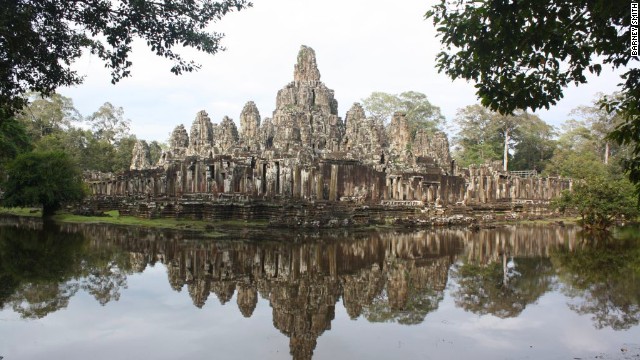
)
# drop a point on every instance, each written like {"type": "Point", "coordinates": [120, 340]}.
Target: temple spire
{"type": "Point", "coordinates": [306, 68]}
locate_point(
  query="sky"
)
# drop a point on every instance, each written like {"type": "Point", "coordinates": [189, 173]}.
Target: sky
{"type": "Point", "coordinates": [361, 46]}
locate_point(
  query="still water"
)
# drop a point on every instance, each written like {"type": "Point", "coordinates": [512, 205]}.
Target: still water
{"type": "Point", "coordinates": [514, 292]}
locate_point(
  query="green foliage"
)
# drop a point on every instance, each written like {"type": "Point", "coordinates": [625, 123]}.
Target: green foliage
{"type": "Point", "coordinates": [123, 153]}
{"type": "Point", "coordinates": [48, 115]}
{"type": "Point", "coordinates": [482, 135]}
{"type": "Point", "coordinates": [42, 178]}
{"type": "Point", "coordinates": [475, 154]}
{"type": "Point", "coordinates": [627, 132]}
{"type": "Point", "coordinates": [584, 149]}
{"type": "Point", "coordinates": [419, 111]}
{"type": "Point", "coordinates": [600, 201]}
{"type": "Point", "coordinates": [535, 145]}
{"type": "Point", "coordinates": [107, 147]}
{"type": "Point", "coordinates": [155, 150]}
{"type": "Point", "coordinates": [478, 139]}
{"type": "Point", "coordinates": [42, 39]}
{"type": "Point", "coordinates": [601, 123]}
{"type": "Point", "coordinates": [575, 165]}
{"type": "Point", "coordinates": [577, 155]}
{"type": "Point", "coordinates": [13, 140]}
{"type": "Point", "coordinates": [108, 123]}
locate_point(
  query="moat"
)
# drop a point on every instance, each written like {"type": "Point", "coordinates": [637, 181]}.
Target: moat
{"type": "Point", "coordinates": [517, 291]}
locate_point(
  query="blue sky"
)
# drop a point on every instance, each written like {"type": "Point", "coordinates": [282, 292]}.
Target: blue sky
{"type": "Point", "coordinates": [361, 46]}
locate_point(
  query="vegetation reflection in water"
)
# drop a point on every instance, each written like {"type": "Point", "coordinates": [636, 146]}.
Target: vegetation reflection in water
{"type": "Point", "coordinates": [381, 276]}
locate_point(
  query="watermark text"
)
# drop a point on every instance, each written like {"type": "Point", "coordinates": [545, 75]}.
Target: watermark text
{"type": "Point", "coordinates": [634, 28]}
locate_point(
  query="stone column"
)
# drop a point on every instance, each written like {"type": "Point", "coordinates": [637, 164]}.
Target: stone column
{"type": "Point", "coordinates": [319, 185]}
{"type": "Point", "coordinates": [333, 185]}
{"type": "Point", "coordinates": [297, 186]}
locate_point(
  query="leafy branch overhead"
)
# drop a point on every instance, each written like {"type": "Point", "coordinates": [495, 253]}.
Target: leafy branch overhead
{"type": "Point", "coordinates": [39, 40]}
{"type": "Point", "coordinates": [522, 54]}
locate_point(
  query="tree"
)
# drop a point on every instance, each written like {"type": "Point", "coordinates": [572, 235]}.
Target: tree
{"type": "Point", "coordinates": [583, 149]}
{"type": "Point", "coordinates": [42, 178]}
{"type": "Point", "coordinates": [522, 54]}
{"type": "Point", "coordinates": [47, 115]}
{"type": "Point", "coordinates": [155, 150]}
{"type": "Point", "coordinates": [123, 153]}
{"type": "Point", "coordinates": [535, 146]}
{"type": "Point", "coordinates": [108, 123]}
{"type": "Point", "coordinates": [40, 40]}
{"type": "Point", "coordinates": [506, 125]}
{"type": "Point", "coordinates": [41, 269]}
{"type": "Point", "coordinates": [476, 140]}
{"type": "Point", "coordinates": [601, 123]}
{"type": "Point", "coordinates": [13, 139]}
{"type": "Point", "coordinates": [420, 112]}
{"type": "Point", "coordinates": [600, 201]}
{"type": "Point", "coordinates": [485, 135]}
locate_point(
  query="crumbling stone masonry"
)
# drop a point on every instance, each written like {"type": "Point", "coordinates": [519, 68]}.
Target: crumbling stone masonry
{"type": "Point", "coordinates": [306, 166]}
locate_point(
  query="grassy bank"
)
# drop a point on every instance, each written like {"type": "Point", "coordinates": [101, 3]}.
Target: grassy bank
{"type": "Point", "coordinates": [221, 228]}
{"type": "Point", "coordinates": [544, 221]}
{"type": "Point", "coordinates": [29, 212]}
{"type": "Point", "coordinates": [208, 228]}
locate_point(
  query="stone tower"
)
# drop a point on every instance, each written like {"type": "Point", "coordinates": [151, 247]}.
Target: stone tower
{"type": "Point", "coordinates": [141, 157]}
{"type": "Point", "coordinates": [306, 114]}
{"type": "Point", "coordinates": [201, 136]}
{"type": "Point", "coordinates": [250, 126]}
{"type": "Point", "coordinates": [226, 135]}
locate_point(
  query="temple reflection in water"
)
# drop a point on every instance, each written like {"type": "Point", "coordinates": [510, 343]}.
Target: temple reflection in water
{"type": "Point", "coordinates": [385, 276]}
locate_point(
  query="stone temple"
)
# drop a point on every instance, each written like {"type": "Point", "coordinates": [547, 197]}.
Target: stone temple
{"type": "Point", "coordinates": [307, 166]}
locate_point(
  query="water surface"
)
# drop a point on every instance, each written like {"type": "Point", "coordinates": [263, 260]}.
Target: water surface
{"type": "Point", "coordinates": [515, 292]}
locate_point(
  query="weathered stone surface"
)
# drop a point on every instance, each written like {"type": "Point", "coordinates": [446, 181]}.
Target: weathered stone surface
{"type": "Point", "coordinates": [363, 138]}
{"type": "Point", "coordinates": [226, 135]}
{"type": "Point", "coordinates": [399, 136]}
{"type": "Point", "coordinates": [141, 158]}
{"type": "Point", "coordinates": [179, 138]}
{"type": "Point", "coordinates": [201, 136]}
{"type": "Point", "coordinates": [178, 145]}
{"type": "Point", "coordinates": [434, 147]}
{"type": "Point", "coordinates": [250, 126]}
{"type": "Point", "coordinates": [306, 112]}
{"type": "Point", "coordinates": [306, 68]}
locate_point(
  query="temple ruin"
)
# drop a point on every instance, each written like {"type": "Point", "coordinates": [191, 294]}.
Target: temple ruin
{"type": "Point", "coordinates": [306, 166]}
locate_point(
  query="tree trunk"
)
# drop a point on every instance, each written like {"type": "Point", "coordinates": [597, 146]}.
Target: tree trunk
{"type": "Point", "coordinates": [506, 149]}
{"type": "Point", "coordinates": [48, 210]}
{"type": "Point", "coordinates": [606, 153]}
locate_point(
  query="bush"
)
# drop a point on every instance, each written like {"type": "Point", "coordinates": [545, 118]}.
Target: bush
{"type": "Point", "coordinates": [600, 201]}
{"type": "Point", "coordinates": [48, 179]}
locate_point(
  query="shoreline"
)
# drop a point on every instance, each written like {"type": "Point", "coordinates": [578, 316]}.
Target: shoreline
{"type": "Point", "coordinates": [224, 228]}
